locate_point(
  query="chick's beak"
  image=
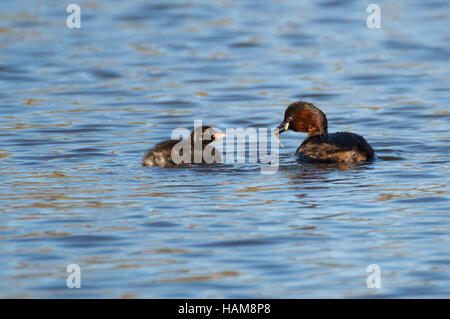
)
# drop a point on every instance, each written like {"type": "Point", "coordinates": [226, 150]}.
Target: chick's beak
{"type": "Point", "coordinates": [284, 126]}
{"type": "Point", "coordinates": [218, 135]}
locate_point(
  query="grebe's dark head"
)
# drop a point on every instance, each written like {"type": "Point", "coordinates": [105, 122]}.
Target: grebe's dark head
{"type": "Point", "coordinates": [304, 117]}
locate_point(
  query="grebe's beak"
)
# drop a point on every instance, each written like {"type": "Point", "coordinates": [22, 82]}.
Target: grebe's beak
{"type": "Point", "coordinates": [284, 126]}
{"type": "Point", "coordinates": [280, 129]}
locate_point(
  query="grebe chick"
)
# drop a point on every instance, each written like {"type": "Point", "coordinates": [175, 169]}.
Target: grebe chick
{"type": "Point", "coordinates": [161, 154]}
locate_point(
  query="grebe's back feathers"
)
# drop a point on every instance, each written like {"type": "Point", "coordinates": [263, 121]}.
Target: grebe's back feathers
{"type": "Point", "coordinates": [338, 147]}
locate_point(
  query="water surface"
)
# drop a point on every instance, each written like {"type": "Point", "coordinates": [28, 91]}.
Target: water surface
{"type": "Point", "coordinates": [79, 108]}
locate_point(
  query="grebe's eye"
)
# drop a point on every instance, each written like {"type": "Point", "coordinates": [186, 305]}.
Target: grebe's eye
{"type": "Point", "coordinates": [207, 134]}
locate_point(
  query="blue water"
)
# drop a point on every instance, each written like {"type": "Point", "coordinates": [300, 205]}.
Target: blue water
{"type": "Point", "coordinates": [79, 108]}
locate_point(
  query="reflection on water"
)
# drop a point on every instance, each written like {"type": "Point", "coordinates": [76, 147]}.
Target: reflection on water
{"type": "Point", "coordinates": [80, 107]}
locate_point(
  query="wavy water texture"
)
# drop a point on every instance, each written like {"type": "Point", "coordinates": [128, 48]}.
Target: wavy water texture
{"type": "Point", "coordinates": [79, 108]}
